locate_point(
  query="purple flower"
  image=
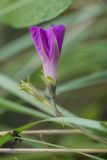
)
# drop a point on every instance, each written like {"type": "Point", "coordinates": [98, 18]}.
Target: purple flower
{"type": "Point", "coordinates": [48, 44]}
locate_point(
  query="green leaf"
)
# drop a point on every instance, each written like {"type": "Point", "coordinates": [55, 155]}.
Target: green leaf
{"type": "Point", "coordinates": [90, 124]}
{"type": "Point", "coordinates": [87, 123]}
{"type": "Point", "coordinates": [15, 107]}
{"type": "Point", "coordinates": [95, 125]}
{"type": "Point", "coordinates": [28, 126]}
{"type": "Point", "coordinates": [24, 13]}
{"type": "Point", "coordinates": [13, 87]}
{"type": "Point", "coordinates": [15, 47]}
{"type": "Point", "coordinates": [93, 79]}
{"type": "Point", "coordinates": [80, 141]}
{"type": "Point", "coordinates": [8, 136]}
{"type": "Point", "coordinates": [62, 147]}
{"type": "Point", "coordinates": [18, 45]}
{"type": "Point", "coordinates": [5, 138]}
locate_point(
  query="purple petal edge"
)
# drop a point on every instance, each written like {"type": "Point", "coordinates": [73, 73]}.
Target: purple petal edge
{"type": "Point", "coordinates": [59, 31]}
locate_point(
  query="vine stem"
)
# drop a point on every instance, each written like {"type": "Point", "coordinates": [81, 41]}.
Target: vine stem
{"type": "Point", "coordinates": [52, 95]}
{"type": "Point", "coordinates": [52, 150]}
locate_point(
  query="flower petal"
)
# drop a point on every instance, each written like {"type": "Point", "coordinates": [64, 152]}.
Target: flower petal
{"type": "Point", "coordinates": [50, 69]}
{"type": "Point", "coordinates": [44, 38]}
{"type": "Point", "coordinates": [48, 44]}
{"type": "Point", "coordinates": [54, 49]}
{"type": "Point", "coordinates": [59, 31]}
{"type": "Point", "coordinates": [38, 38]}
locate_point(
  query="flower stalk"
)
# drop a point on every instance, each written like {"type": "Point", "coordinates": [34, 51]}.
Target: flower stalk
{"type": "Point", "coordinates": [52, 95]}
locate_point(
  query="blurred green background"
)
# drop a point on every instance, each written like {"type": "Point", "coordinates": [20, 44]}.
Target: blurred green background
{"type": "Point", "coordinates": [82, 84]}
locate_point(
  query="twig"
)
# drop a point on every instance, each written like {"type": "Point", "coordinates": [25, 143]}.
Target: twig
{"type": "Point", "coordinates": [53, 131]}
{"type": "Point", "coordinates": [52, 150]}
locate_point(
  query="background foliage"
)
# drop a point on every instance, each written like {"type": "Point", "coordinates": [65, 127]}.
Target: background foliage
{"type": "Point", "coordinates": [82, 85]}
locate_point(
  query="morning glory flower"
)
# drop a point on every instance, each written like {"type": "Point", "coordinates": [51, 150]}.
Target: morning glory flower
{"type": "Point", "coordinates": [48, 44]}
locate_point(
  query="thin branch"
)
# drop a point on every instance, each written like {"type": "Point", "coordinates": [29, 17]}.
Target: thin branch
{"type": "Point", "coordinates": [52, 150]}
{"type": "Point", "coordinates": [53, 131]}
